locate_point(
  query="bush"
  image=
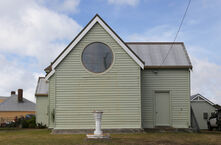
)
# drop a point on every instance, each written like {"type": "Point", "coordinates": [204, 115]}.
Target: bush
{"type": "Point", "coordinates": [29, 121]}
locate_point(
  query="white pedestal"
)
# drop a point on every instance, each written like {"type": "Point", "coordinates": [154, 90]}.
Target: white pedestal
{"type": "Point", "coordinates": [98, 134]}
{"type": "Point", "coordinates": [98, 117]}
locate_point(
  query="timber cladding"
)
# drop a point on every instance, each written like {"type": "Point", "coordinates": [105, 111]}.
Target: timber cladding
{"type": "Point", "coordinates": [10, 115]}
{"type": "Point", "coordinates": [177, 83]}
{"type": "Point", "coordinates": [79, 92]}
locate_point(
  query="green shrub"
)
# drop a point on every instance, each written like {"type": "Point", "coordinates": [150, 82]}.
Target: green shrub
{"type": "Point", "coordinates": [31, 122]}
{"type": "Point", "coordinates": [25, 122]}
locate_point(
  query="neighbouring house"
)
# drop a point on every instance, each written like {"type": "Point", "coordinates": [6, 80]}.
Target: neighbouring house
{"type": "Point", "coordinates": [136, 84]}
{"type": "Point", "coordinates": [202, 109]}
{"type": "Point", "coordinates": [15, 105]}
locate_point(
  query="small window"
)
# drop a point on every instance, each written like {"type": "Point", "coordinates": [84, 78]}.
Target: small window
{"type": "Point", "coordinates": [205, 115]}
{"type": "Point", "coordinates": [97, 57]}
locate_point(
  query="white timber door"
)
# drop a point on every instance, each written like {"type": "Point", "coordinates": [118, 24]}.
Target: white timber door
{"type": "Point", "coordinates": [162, 109]}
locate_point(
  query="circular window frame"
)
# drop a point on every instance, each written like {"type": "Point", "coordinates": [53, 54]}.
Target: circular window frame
{"type": "Point", "coordinates": [98, 73]}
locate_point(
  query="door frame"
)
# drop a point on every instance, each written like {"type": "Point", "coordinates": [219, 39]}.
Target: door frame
{"type": "Point", "coordinates": [154, 108]}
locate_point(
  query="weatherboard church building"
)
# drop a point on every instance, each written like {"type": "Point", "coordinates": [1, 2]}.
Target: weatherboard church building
{"type": "Point", "coordinates": [129, 81]}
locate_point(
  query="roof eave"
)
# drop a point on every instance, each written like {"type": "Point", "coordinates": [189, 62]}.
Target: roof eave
{"type": "Point", "coordinates": [169, 67]}
{"type": "Point", "coordinates": [41, 95]}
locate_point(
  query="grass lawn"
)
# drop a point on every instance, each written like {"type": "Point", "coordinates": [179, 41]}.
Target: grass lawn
{"type": "Point", "coordinates": [43, 137]}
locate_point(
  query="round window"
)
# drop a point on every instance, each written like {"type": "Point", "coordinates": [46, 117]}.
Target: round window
{"type": "Point", "coordinates": [97, 57]}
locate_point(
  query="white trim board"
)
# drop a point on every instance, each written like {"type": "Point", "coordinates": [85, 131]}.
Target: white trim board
{"type": "Point", "coordinates": [97, 19]}
{"type": "Point", "coordinates": [205, 99]}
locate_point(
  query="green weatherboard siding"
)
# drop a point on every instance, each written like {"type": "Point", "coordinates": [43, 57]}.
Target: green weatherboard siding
{"type": "Point", "coordinates": [42, 109]}
{"type": "Point", "coordinates": [79, 92]}
{"type": "Point", "coordinates": [51, 99]}
{"type": "Point", "coordinates": [177, 84]}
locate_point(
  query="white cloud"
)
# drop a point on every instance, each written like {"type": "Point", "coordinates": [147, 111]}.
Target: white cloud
{"type": "Point", "coordinates": [158, 33]}
{"type": "Point", "coordinates": [30, 29]}
{"type": "Point", "coordinates": [13, 77]}
{"type": "Point", "coordinates": [206, 79]}
{"type": "Point", "coordinates": [66, 6]}
{"type": "Point", "coordinates": [35, 31]}
{"type": "Point", "coordinates": [124, 2]}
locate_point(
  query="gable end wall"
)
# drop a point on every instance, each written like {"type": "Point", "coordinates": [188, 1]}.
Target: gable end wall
{"type": "Point", "coordinates": [200, 107]}
{"type": "Point", "coordinates": [79, 92]}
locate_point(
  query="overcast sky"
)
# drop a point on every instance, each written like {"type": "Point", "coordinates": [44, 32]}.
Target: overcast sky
{"type": "Point", "coordinates": [34, 32]}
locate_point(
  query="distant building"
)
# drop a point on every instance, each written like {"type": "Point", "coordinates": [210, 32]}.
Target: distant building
{"type": "Point", "coordinates": [15, 105]}
{"type": "Point", "coordinates": [202, 108]}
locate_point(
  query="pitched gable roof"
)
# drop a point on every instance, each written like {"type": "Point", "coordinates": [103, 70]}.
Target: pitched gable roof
{"type": "Point", "coordinates": [96, 19]}
{"type": "Point", "coordinates": [11, 104]}
{"type": "Point", "coordinates": [42, 87]}
{"type": "Point", "coordinates": [193, 97]}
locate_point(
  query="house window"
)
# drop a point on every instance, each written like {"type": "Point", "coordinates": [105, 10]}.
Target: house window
{"type": "Point", "coordinates": [205, 115]}
{"type": "Point", "coordinates": [97, 57]}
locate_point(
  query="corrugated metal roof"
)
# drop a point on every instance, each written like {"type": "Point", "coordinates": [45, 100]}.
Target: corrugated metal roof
{"type": "Point", "coordinates": [12, 104]}
{"type": "Point", "coordinates": [3, 98]}
{"type": "Point", "coordinates": [42, 87]}
{"type": "Point", "coordinates": [153, 54]}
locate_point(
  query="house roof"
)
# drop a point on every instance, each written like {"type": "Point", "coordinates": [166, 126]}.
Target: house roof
{"type": "Point", "coordinates": [11, 104]}
{"type": "Point", "coordinates": [154, 53]}
{"type": "Point", "coordinates": [42, 87]}
{"type": "Point", "coordinates": [2, 97]}
{"type": "Point", "coordinates": [202, 97]}
{"type": "Point", "coordinates": [96, 19]}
